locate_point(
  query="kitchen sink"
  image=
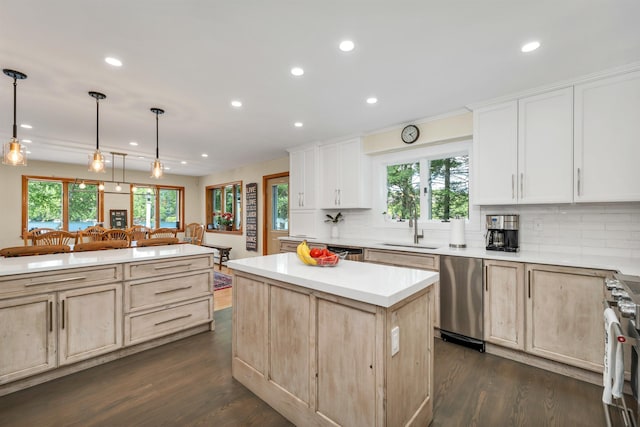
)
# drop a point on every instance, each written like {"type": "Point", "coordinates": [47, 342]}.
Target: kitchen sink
{"type": "Point", "coordinates": [410, 245]}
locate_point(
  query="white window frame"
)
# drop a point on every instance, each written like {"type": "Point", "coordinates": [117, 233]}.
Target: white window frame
{"type": "Point", "coordinates": [380, 163]}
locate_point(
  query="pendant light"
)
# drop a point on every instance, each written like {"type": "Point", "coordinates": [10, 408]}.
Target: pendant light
{"type": "Point", "coordinates": [156, 166]}
{"type": "Point", "coordinates": [96, 160]}
{"type": "Point", "coordinates": [12, 153]}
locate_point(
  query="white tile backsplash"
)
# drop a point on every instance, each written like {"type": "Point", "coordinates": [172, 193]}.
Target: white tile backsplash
{"type": "Point", "coordinates": [607, 229]}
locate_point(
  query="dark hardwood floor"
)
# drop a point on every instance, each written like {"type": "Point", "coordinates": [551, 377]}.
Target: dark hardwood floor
{"type": "Point", "coordinates": [189, 383]}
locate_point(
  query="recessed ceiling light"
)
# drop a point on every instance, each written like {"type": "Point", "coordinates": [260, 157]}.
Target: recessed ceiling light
{"type": "Point", "coordinates": [298, 124]}
{"type": "Point", "coordinates": [28, 141]}
{"type": "Point", "coordinates": [26, 126]}
{"type": "Point", "coordinates": [236, 104]}
{"type": "Point", "coordinates": [347, 46]}
{"type": "Point", "coordinates": [107, 161]}
{"type": "Point", "coordinates": [183, 162]}
{"type": "Point", "coordinates": [135, 144]}
{"type": "Point", "coordinates": [167, 168]}
{"type": "Point", "coordinates": [204, 155]}
{"type": "Point", "coordinates": [113, 61]}
{"type": "Point", "coordinates": [372, 100]}
{"type": "Point", "coordinates": [141, 157]}
{"type": "Point", "coordinates": [297, 71]}
{"type": "Point", "coordinates": [28, 152]}
{"type": "Point", "coordinates": [530, 47]}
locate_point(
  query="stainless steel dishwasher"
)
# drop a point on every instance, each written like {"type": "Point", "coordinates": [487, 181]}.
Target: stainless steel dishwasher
{"type": "Point", "coordinates": [461, 304]}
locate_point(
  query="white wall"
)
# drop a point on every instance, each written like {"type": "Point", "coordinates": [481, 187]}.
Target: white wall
{"type": "Point", "coordinates": [11, 193]}
{"type": "Point", "coordinates": [247, 174]}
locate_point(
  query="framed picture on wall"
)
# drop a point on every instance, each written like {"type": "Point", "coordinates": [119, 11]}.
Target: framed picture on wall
{"type": "Point", "coordinates": [118, 218]}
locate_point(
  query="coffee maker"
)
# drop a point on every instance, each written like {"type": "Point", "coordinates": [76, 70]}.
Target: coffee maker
{"type": "Point", "coordinates": [502, 233]}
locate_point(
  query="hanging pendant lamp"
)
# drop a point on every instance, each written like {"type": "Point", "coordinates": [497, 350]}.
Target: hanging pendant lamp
{"type": "Point", "coordinates": [12, 153]}
{"type": "Point", "coordinates": [96, 160]}
{"type": "Point", "coordinates": [157, 168]}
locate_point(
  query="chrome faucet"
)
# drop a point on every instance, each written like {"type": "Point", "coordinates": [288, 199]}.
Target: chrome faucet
{"type": "Point", "coordinates": [416, 236]}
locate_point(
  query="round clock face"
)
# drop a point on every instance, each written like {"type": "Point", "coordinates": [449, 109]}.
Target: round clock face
{"type": "Point", "coordinates": [410, 134]}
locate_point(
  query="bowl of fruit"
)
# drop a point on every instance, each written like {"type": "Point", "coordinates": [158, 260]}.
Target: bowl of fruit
{"type": "Point", "coordinates": [318, 257]}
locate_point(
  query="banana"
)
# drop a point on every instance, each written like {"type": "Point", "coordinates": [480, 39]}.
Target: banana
{"type": "Point", "coordinates": [303, 253]}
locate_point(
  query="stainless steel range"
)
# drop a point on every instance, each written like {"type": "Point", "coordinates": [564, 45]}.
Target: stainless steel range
{"type": "Point", "coordinates": [622, 294]}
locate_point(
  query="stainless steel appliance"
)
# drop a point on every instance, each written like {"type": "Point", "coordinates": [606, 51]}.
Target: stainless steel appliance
{"type": "Point", "coordinates": [502, 233]}
{"type": "Point", "coordinates": [622, 294]}
{"type": "Point", "coordinates": [353, 254]}
{"type": "Point", "coordinates": [461, 303]}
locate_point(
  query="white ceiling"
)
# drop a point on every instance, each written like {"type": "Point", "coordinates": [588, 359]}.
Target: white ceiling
{"type": "Point", "coordinates": [420, 58]}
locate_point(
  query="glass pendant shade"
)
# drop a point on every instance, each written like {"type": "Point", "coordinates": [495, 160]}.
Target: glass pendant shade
{"type": "Point", "coordinates": [12, 154]}
{"type": "Point", "coordinates": [101, 186]}
{"type": "Point", "coordinates": [96, 162]}
{"type": "Point", "coordinates": [157, 169]}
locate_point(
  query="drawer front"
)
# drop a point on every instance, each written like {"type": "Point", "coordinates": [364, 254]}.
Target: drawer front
{"type": "Point", "coordinates": [144, 294]}
{"type": "Point", "coordinates": [403, 259]}
{"type": "Point", "coordinates": [139, 270]}
{"type": "Point", "coordinates": [292, 246]}
{"type": "Point", "coordinates": [174, 318]}
{"type": "Point", "coordinates": [56, 280]}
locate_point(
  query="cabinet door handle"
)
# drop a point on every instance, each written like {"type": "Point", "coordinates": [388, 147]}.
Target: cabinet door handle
{"type": "Point", "coordinates": [62, 314]}
{"type": "Point", "coordinates": [50, 282]}
{"type": "Point", "coordinates": [335, 197]}
{"type": "Point", "coordinates": [173, 290]}
{"type": "Point", "coordinates": [521, 185]}
{"type": "Point", "coordinates": [486, 278]}
{"type": "Point", "coordinates": [578, 181]}
{"type": "Point", "coordinates": [513, 186]}
{"type": "Point", "coordinates": [50, 316]}
{"type": "Point", "coordinates": [339, 197]}
{"type": "Point", "coordinates": [529, 282]}
{"type": "Point", "coordinates": [162, 267]}
{"type": "Point", "coordinates": [301, 199]}
{"type": "Point", "coordinates": [174, 319]}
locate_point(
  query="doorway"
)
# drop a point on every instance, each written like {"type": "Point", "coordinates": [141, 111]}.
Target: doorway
{"type": "Point", "coordinates": [276, 211]}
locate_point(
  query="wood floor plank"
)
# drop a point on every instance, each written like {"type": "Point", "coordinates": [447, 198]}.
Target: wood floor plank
{"type": "Point", "coordinates": [189, 383]}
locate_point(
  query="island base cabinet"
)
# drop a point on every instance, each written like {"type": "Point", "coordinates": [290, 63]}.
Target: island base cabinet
{"type": "Point", "coordinates": [27, 336]}
{"type": "Point", "coordinates": [322, 360]}
{"type": "Point", "coordinates": [90, 322]}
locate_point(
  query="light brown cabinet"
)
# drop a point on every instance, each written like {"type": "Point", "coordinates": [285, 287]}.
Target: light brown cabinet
{"type": "Point", "coordinates": [292, 245]}
{"type": "Point", "coordinates": [412, 260]}
{"type": "Point", "coordinates": [299, 349]}
{"type": "Point", "coordinates": [28, 332]}
{"type": "Point", "coordinates": [504, 303]}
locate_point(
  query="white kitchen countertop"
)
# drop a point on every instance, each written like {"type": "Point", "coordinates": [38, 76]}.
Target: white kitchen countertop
{"type": "Point", "coordinates": [623, 265]}
{"type": "Point", "coordinates": [38, 263]}
{"type": "Point", "coordinates": [376, 284]}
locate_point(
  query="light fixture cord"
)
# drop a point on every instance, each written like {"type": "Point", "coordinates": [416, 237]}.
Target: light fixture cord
{"type": "Point", "coordinates": [15, 128]}
{"type": "Point", "coordinates": [157, 150]}
{"type": "Point", "coordinates": [97, 124]}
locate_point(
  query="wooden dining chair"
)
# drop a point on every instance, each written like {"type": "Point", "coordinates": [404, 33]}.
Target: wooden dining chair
{"type": "Point", "coordinates": [117, 234]}
{"type": "Point", "coordinates": [138, 232]}
{"type": "Point", "coordinates": [101, 245]}
{"type": "Point", "coordinates": [91, 234]}
{"type": "Point", "coordinates": [28, 236]}
{"type": "Point", "coordinates": [17, 251]}
{"type": "Point", "coordinates": [193, 233]}
{"type": "Point", "coordinates": [158, 241]}
{"type": "Point", "coordinates": [57, 237]}
{"type": "Point", "coordinates": [163, 232]}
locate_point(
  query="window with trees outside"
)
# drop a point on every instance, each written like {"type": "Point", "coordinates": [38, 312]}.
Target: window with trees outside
{"type": "Point", "coordinates": [157, 206]}
{"type": "Point", "coordinates": [435, 189]}
{"type": "Point", "coordinates": [224, 207]}
{"type": "Point", "coordinates": [60, 203]}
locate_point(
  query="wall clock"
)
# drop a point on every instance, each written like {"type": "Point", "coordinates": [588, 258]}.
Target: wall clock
{"type": "Point", "coordinates": [410, 134]}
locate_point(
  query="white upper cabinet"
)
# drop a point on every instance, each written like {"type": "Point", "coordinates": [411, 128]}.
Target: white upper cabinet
{"type": "Point", "coordinates": [346, 180]}
{"type": "Point", "coordinates": [302, 178]}
{"type": "Point", "coordinates": [607, 139]}
{"type": "Point", "coordinates": [495, 154]}
{"type": "Point", "coordinates": [545, 148]}
{"type": "Point", "coordinates": [523, 150]}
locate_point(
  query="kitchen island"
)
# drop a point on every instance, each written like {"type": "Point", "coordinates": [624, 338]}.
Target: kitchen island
{"type": "Point", "coordinates": [346, 345]}
{"type": "Point", "coordinates": [66, 312]}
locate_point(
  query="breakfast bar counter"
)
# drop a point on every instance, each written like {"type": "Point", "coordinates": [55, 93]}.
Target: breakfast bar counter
{"type": "Point", "coordinates": [345, 345]}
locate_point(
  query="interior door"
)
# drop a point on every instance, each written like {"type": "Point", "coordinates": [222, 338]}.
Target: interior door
{"type": "Point", "coordinates": [276, 212]}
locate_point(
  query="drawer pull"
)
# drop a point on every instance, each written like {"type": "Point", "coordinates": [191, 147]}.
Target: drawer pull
{"type": "Point", "coordinates": [62, 314]}
{"type": "Point", "coordinates": [174, 319]}
{"type": "Point", "coordinates": [164, 267]}
{"type": "Point", "coordinates": [173, 290]}
{"type": "Point", "coordinates": [50, 316]}
{"type": "Point", "coordinates": [50, 282]}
